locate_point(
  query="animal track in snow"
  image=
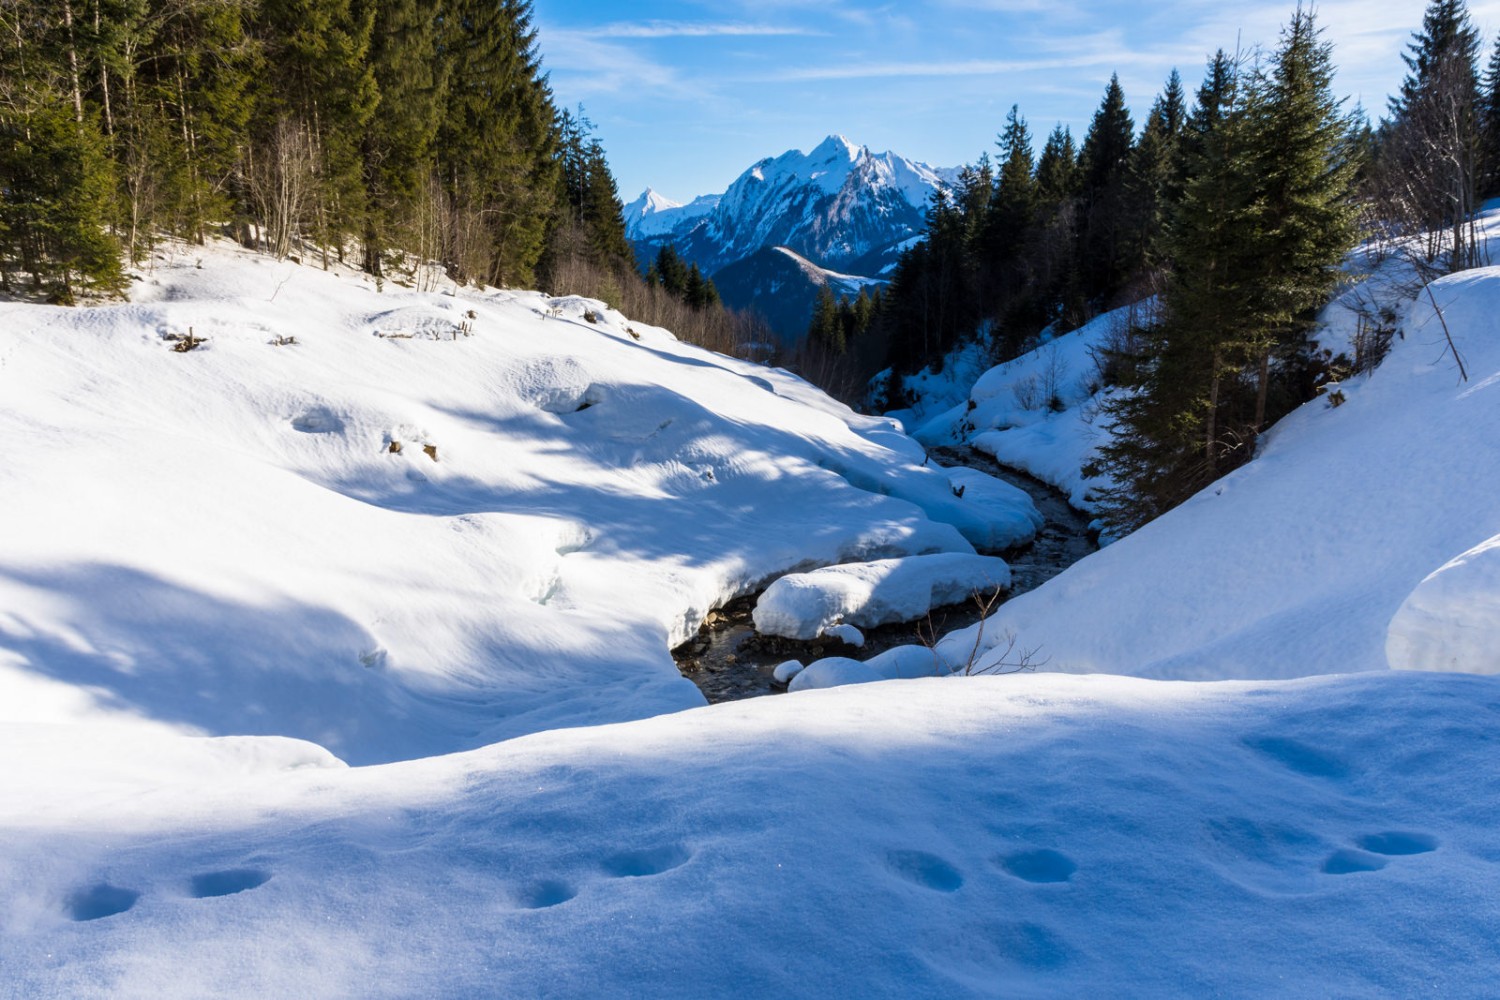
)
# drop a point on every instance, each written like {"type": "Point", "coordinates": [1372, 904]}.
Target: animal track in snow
{"type": "Point", "coordinates": [1346, 861]}
{"type": "Point", "coordinates": [1398, 842]}
{"type": "Point", "coordinates": [651, 861]}
{"type": "Point", "coordinates": [541, 895]}
{"type": "Point", "coordinates": [1300, 757]}
{"type": "Point", "coordinates": [1039, 866]}
{"type": "Point", "coordinates": [318, 420]}
{"type": "Point", "coordinates": [228, 882]}
{"type": "Point", "coordinates": [927, 870]}
{"type": "Point", "coordinates": [99, 901]}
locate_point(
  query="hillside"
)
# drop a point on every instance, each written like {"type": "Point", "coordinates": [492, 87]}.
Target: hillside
{"type": "Point", "coordinates": [220, 586]}
{"type": "Point", "coordinates": [431, 522]}
{"type": "Point", "coordinates": [781, 286]}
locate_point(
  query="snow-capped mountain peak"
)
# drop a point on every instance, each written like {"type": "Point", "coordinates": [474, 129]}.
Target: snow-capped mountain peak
{"type": "Point", "coordinates": [653, 214]}
{"type": "Point", "coordinates": [834, 205]}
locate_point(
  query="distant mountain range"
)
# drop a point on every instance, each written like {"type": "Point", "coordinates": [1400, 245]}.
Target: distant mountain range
{"type": "Point", "coordinates": [839, 215]}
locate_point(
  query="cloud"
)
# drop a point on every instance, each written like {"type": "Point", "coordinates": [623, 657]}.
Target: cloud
{"type": "Point", "coordinates": [690, 29]}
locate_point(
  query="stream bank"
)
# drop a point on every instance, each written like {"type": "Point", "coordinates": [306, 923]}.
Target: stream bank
{"type": "Point", "coordinates": [729, 660]}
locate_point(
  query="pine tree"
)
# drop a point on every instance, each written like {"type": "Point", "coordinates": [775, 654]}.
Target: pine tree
{"type": "Point", "coordinates": [1306, 180]}
{"type": "Point", "coordinates": [1104, 164]}
{"type": "Point", "coordinates": [398, 139]}
{"type": "Point", "coordinates": [55, 176]}
{"type": "Point", "coordinates": [1266, 221]}
{"type": "Point", "coordinates": [497, 150]}
{"type": "Point", "coordinates": [1489, 126]}
{"type": "Point", "coordinates": [825, 330]}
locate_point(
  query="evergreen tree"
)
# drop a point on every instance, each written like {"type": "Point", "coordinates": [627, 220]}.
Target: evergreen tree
{"type": "Point", "coordinates": [1266, 220]}
{"type": "Point", "coordinates": [1104, 164]}
{"type": "Point", "coordinates": [825, 330]}
{"type": "Point", "coordinates": [1489, 126]}
{"type": "Point", "coordinates": [497, 148]}
{"type": "Point", "coordinates": [1057, 168]}
{"type": "Point", "coordinates": [1151, 183]}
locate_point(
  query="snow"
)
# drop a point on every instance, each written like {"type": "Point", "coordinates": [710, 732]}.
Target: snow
{"type": "Point", "coordinates": [807, 605]}
{"type": "Point", "coordinates": [847, 634]}
{"type": "Point", "coordinates": [1038, 835]}
{"type": "Point", "coordinates": [1297, 563]}
{"type": "Point", "coordinates": [1451, 620]}
{"type": "Point", "coordinates": [226, 542]}
{"type": "Point", "coordinates": [220, 587]}
{"type": "Point", "coordinates": [654, 215]}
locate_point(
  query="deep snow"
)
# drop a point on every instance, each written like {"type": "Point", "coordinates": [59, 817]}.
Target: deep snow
{"type": "Point", "coordinates": [206, 554]}
{"type": "Point", "coordinates": [226, 542]}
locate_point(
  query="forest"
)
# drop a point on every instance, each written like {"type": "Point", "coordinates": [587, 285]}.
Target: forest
{"type": "Point", "coordinates": [1227, 219]}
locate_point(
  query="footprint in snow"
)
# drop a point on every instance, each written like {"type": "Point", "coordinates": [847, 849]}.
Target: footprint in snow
{"type": "Point", "coordinates": [228, 882]}
{"type": "Point", "coordinates": [1346, 862]}
{"type": "Point", "coordinates": [99, 901]}
{"type": "Point", "coordinates": [544, 894]}
{"type": "Point", "coordinates": [926, 870]}
{"type": "Point", "coordinates": [651, 861]}
{"type": "Point", "coordinates": [1375, 849]}
{"type": "Point", "coordinates": [1398, 842]}
{"type": "Point", "coordinates": [1039, 866]}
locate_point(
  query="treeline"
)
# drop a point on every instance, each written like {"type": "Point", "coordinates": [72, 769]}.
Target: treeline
{"type": "Point", "coordinates": [378, 133]}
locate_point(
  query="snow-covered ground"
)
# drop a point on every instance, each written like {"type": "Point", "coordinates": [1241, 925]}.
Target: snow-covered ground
{"type": "Point", "coordinates": [1032, 836]}
{"type": "Point", "coordinates": [432, 522]}
{"type": "Point", "coordinates": [219, 583]}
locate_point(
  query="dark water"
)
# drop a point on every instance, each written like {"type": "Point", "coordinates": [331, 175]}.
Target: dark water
{"type": "Point", "coordinates": [729, 660]}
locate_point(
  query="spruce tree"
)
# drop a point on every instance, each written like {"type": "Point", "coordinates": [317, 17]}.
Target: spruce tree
{"type": "Point", "coordinates": [1104, 164]}
{"type": "Point", "coordinates": [397, 143]}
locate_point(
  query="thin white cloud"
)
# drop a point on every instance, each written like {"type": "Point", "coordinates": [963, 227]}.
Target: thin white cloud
{"type": "Point", "coordinates": [691, 29]}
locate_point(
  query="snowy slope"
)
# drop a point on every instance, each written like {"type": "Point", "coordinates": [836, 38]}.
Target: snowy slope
{"type": "Point", "coordinates": [224, 541]}
{"type": "Point", "coordinates": [1297, 563]}
{"type": "Point", "coordinates": [1035, 836]}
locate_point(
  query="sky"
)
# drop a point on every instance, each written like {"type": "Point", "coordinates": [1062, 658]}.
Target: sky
{"type": "Point", "coordinates": [686, 94]}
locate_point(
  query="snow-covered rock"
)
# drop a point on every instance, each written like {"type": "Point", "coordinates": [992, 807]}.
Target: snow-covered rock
{"type": "Point", "coordinates": [1451, 621]}
{"type": "Point", "coordinates": [806, 605]}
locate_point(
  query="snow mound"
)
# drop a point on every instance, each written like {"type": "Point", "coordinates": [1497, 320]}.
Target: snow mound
{"type": "Point", "coordinates": [1451, 621]}
{"type": "Point", "coordinates": [807, 605]}
{"type": "Point", "coordinates": [496, 517]}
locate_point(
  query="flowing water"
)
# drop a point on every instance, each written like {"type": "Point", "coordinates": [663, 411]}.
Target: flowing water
{"type": "Point", "coordinates": [729, 660]}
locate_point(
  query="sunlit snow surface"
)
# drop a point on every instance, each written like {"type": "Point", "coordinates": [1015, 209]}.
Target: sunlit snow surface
{"type": "Point", "coordinates": [432, 522]}
{"type": "Point", "coordinates": [222, 542]}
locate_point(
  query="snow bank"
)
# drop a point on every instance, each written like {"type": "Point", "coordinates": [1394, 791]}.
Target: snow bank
{"type": "Point", "coordinates": [1037, 835]}
{"type": "Point", "coordinates": [1039, 413]}
{"type": "Point", "coordinates": [401, 523]}
{"type": "Point", "coordinates": [807, 605]}
{"type": "Point", "coordinates": [1451, 621]}
{"type": "Point", "coordinates": [1297, 563]}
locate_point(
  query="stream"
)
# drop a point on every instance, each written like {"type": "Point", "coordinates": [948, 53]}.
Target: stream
{"type": "Point", "coordinates": [729, 660]}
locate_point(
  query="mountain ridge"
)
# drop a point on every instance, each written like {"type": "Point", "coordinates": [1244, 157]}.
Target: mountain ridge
{"type": "Point", "coordinates": [841, 207]}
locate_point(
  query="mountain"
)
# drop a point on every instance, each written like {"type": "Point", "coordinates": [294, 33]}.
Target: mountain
{"type": "Point", "coordinates": [653, 215]}
{"type": "Point", "coordinates": [840, 207]}
{"type": "Point", "coordinates": [782, 285]}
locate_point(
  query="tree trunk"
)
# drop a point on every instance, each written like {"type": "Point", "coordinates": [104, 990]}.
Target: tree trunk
{"type": "Point", "coordinates": [1262, 390]}
{"type": "Point", "coordinates": [73, 62]}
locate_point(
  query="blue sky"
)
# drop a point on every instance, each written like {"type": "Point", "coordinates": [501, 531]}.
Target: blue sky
{"type": "Point", "coordinates": [688, 93]}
